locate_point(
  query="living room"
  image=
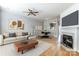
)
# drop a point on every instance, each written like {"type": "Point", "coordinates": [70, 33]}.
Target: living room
{"type": "Point", "coordinates": [23, 22]}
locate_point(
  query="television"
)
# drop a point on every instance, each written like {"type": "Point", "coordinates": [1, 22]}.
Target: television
{"type": "Point", "coordinates": [71, 19]}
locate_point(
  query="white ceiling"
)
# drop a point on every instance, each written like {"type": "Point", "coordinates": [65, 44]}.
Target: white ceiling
{"type": "Point", "coordinates": [46, 10]}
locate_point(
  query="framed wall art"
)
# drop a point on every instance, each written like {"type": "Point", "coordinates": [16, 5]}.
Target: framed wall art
{"type": "Point", "coordinates": [16, 24]}
{"type": "Point", "coordinates": [13, 24]}
{"type": "Point", "coordinates": [20, 24]}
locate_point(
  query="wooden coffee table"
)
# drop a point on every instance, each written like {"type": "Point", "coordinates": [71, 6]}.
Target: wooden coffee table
{"type": "Point", "coordinates": [20, 46]}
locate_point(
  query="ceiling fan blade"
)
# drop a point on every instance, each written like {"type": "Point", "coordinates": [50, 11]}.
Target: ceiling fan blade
{"type": "Point", "coordinates": [30, 10]}
{"type": "Point", "coordinates": [29, 14]}
{"type": "Point", "coordinates": [25, 12]}
{"type": "Point", "coordinates": [34, 14]}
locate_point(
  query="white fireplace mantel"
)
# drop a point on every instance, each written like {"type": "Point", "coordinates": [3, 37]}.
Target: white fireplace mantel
{"type": "Point", "coordinates": [75, 33]}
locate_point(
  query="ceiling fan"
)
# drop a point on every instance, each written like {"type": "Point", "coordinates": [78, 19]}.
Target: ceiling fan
{"type": "Point", "coordinates": [31, 12]}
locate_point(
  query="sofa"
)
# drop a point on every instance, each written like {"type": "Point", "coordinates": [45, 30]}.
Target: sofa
{"type": "Point", "coordinates": [6, 38]}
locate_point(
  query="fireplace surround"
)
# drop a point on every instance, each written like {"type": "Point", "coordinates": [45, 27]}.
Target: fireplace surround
{"type": "Point", "coordinates": [67, 41]}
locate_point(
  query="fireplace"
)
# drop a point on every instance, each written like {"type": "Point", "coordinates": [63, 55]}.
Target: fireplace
{"type": "Point", "coordinates": [67, 41]}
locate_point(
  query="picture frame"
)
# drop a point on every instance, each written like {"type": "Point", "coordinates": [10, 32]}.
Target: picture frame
{"type": "Point", "coordinates": [13, 24]}
{"type": "Point", "coordinates": [16, 24]}
{"type": "Point", "coordinates": [52, 25]}
{"type": "Point", "coordinates": [20, 24]}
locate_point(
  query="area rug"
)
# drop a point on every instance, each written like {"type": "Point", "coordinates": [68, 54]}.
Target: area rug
{"type": "Point", "coordinates": [9, 50]}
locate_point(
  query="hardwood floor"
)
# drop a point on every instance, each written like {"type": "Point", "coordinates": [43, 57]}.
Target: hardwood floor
{"type": "Point", "coordinates": [54, 50]}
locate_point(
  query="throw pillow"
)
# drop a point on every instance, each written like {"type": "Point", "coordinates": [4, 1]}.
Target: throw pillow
{"type": "Point", "coordinates": [12, 34]}
{"type": "Point", "coordinates": [24, 33]}
{"type": "Point", "coordinates": [5, 35]}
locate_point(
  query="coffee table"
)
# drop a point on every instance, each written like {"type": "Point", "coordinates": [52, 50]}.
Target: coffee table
{"type": "Point", "coordinates": [20, 46]}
